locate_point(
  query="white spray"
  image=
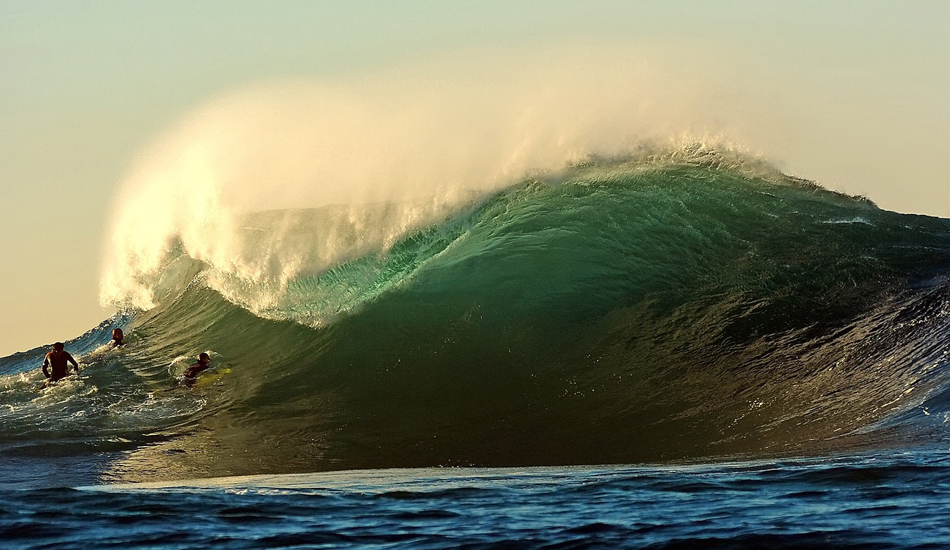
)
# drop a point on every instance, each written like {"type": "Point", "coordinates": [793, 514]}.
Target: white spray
{"type": "Point", "coordinates": [422, 140]}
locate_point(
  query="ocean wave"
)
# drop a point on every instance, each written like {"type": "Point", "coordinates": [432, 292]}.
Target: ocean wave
{"type": "Point", "coordinates": [637, 309]}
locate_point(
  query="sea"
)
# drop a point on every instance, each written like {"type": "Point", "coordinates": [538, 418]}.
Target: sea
{"type": "Point", "coordinates": [687, 350]}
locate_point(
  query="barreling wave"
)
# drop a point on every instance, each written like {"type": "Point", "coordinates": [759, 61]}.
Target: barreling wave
{"type": "Point", "coordinates": [646, 308]}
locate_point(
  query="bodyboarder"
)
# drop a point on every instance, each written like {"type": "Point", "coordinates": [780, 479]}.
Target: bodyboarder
{"type": "Point", "coordinates": [191, 373]}
{"type": "Point", "coordinates": [117, 337]}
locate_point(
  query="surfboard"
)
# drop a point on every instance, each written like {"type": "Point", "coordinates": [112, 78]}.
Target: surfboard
{"type": "Point", "coordinates": [208, 378]}
{"type": "Point", "coordinates": [205, 379]}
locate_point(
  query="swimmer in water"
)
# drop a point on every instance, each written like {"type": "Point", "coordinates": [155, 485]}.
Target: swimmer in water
{"type": "Point", "coordinates": [117, 338]}
{"type": "Point", "coordinates": [58, 360]}
{"type": "Point", "coordinates": [191, 373]}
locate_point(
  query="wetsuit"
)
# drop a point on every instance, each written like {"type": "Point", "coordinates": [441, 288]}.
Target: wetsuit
{"type": "Point", "coordinates": [58, 361]}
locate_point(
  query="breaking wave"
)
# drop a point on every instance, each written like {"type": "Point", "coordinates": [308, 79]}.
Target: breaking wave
{"type": "Point", "coordinates": [652, 307]}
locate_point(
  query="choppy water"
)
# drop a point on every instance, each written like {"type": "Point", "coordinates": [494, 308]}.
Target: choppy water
{"type": "Point", "coordinates": [897, 500]}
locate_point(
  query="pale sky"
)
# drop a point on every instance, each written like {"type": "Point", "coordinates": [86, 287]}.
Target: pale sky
{"type": "Point", "coordinates": [854, 95]}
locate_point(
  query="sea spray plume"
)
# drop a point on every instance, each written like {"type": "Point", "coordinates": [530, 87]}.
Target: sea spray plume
{"type": "Point", "coordinates": [320, 291]}
{"type": "Point", "coordinates": [422, 144]}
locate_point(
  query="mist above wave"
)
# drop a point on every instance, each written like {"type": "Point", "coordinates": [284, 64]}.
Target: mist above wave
{"type": "Point", "coordinates": [425, 140]}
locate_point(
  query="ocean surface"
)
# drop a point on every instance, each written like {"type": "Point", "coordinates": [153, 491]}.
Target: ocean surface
{"type": "Point", "coordinates": [675, 351]}
{"type": "Point", "coordinates": [897, 500]}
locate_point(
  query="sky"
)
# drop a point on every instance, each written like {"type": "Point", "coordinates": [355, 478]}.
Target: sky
{"type": "Point", "coordinates": [854, 95]}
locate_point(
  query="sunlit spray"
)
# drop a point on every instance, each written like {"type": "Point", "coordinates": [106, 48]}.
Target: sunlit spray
{"type": "Point", "coordinates": [421, 141]}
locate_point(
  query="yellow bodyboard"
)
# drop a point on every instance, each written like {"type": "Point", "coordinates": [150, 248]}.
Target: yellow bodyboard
{"type": "Point", "coordinates": [206, 379]}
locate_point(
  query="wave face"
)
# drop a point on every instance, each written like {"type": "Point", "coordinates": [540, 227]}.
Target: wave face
{"type": "Point", "coordinates": [622, 312]}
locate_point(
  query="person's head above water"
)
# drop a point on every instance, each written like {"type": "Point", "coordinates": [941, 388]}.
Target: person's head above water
{"type": "Point", "coordinates": [204, 358]}
{"type": "Point", "coordinates": [116, 334]}
{"type": "Point", "coordinates": [58, 346]}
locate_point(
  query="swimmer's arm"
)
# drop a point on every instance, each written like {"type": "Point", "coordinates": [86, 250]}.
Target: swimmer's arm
{"type": "Point", "coordinates": [194, 370]}
{"type": "Point", "coordinates": [46, 366]}
{"type": "Point", "coordinates": [73, 361]}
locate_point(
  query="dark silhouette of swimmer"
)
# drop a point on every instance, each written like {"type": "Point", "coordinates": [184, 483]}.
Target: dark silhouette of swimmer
{"type": "Point", "coordinates": [117, 337]}
{"type": "Point", "coordinates": [57, 361]}
{"type": "Point", "coordinates": [191, 373]}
